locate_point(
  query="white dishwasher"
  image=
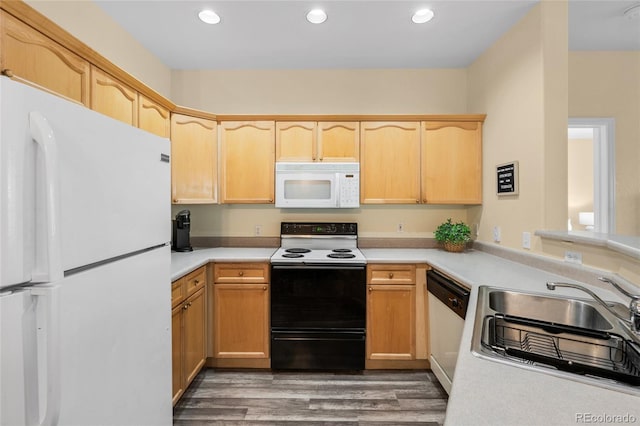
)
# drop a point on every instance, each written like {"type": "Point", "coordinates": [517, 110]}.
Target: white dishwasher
{"type": "Point", "coordinates": [447, 309]}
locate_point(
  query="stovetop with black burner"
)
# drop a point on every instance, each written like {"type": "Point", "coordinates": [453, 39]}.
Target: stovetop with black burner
{"type": "Point", "coordinates": [318, 243]}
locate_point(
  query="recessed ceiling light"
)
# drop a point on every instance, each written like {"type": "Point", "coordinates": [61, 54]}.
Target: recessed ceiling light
{"type": "Point", "coordinates": [209, 17]}
{"type": "Point", "coordinates": [633, 12]}
{"type": "Point", "coordinates": [421, 16]}
{"type": "Point", "coordinates": [316, 16]}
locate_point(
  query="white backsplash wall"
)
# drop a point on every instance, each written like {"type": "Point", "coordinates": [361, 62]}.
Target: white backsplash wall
{"type": "Point", "coordinates": [379, 221]}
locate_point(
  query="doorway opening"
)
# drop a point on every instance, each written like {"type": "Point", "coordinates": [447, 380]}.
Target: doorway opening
{"type": "Point", "coordinates": [591, 175]}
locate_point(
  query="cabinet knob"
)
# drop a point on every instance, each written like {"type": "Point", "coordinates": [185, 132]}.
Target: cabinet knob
{"type": "Point", "coordinates": [370, 289]}
{"type": "Point", "coordinates": [241, 273]}
{"type": "Point", "coordinates": [196, 282]}
{"type": "Point", "coordinates": [185, 307]}
{"type": "Point", "coordinates": [417, 201]}
{"type": "Point", "coordinates": [7, 72]}
{"type": "Point", "coordinates": [390, 274]}
{"type": "Point", "coordinates": [264, 288]}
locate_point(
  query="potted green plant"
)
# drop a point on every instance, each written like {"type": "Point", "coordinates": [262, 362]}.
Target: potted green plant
{"type": "Point", "coordinates": [454, 236]}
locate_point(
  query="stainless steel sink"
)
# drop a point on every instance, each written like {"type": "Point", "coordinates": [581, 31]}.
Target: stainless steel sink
{"type": "Point", "coordinates": [570, 312]}
{"type": "Point", "coordinates": [568, 337]}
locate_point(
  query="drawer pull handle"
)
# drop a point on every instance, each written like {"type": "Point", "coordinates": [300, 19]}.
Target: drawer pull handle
{"type": "Point", "coordinates": [390, 275]}
{"type": "Point", "coordinates": [241, 273]}
{"type": "Point", "coordinates": [196, 282]}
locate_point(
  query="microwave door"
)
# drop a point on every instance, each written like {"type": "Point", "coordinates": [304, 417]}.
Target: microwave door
{"type": "Point", "coordinates": [306, 190]}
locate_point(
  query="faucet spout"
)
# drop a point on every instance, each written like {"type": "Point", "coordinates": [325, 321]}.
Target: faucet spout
{"type": "Point", "coordinates": [634, 308]}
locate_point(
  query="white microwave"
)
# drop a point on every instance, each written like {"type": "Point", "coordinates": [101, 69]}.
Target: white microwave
{"type": "Point", "coordinates": [317, 185]}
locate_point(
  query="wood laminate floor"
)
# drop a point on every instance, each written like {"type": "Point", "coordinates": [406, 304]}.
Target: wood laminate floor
{"type": "Point", "coordinates": [273, 398]}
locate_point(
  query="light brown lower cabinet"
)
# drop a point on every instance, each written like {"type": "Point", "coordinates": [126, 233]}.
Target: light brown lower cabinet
{"type": "Point", "coordinates": [240, 321]}
{"type": "Point", "coordinates": [395, 311]}
{"type": "Point", "coordinates": [188, 329]}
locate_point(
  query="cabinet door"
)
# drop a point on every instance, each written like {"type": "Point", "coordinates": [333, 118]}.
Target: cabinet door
{"type": "Point", "coordinates": [390, 163]}
{"type": "Point", "coordinates": [177, 352]}
{"type": "Point", "coordinates": [194, 159]}
{"type": "Point", "coordinates": [30, 55]}
{"type": "Point", "coordinates": [152, 117]}
{"type": "Point", "coordinates": [111, 97]}
{"type": "Point", "coordinates": [194, 337]}
{"type": "Point", "coordinates": [391, 322]}
{"type": "Point", "coordinates": [338, 141]}
{"type": "Point", "coordinates": [241, 321]}
{"type": "Point", "coordinates": [296, 141]}
{"type": "Point", "coordinates": [247, 151]}
{"type": "Point", "coordinates": [452, 162]}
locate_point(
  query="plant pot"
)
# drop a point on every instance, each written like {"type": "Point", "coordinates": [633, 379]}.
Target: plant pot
{"type": "Point", "coordinates": [454, 247]}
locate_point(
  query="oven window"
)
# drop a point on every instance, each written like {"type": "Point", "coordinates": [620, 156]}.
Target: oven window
{"type": "Point", "coordinates": [318, 298]}
{"type": "Point", "coordinates": [298, 189]}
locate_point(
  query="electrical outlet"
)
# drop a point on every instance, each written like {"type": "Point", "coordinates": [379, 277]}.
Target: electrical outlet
{"type": "Point", "coordinates": [496, 234]}
{"type": "Point", "coordinates": [400, 227]}
{"type": "Point", "coordinates": [258, 230]}
{"type": "Point", "coordinates": [573, 257]}
{"type": "Point", "coordinates": [526, 240]}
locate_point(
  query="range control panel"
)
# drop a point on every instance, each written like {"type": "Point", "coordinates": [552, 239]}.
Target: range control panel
{"type": "Point", "coordinates": [318, 228]}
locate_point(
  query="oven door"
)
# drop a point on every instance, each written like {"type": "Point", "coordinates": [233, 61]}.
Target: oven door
{"type": "Point", "coordinates": [306, 190]}
{"type": "Point", "coordinates": [327, 297]}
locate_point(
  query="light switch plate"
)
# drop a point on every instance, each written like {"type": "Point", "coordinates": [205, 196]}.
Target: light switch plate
{"type": "Point", "coordinates": [496, 234]}
{"type": "Point", "coordinates": [526, 240]}
{"type": "Point", "coordinates": [573, 257]}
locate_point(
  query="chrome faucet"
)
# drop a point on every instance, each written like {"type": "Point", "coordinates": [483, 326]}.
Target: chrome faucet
{"type": "Point", "coordinates": [634, 307]}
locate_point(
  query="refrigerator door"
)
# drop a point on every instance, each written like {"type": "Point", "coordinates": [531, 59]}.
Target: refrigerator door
{"type": "Point", "coordinates": [115, 326]}
{"type": "Point", "coordinates": [114, 184]}
{"type": "Point", "coordinates": [113, 353]}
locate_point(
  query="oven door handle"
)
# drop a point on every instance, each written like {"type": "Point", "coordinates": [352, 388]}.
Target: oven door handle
{"type": "Point", "coordinates": [308, 266]}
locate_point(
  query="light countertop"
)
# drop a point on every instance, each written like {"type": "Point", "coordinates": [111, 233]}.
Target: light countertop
{"type": "Point", "coordinates": [484, 392]}
{"type": "Point", "coordinates": [183, 263]}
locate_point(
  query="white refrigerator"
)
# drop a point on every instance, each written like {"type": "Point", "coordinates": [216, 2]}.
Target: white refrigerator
{"type": "Point", "coordinates": [85, 310]}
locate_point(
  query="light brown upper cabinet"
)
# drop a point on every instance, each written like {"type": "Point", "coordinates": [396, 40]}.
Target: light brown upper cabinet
{"type": "Point", "coordinates": [390, 162]}
{"type": "Point", "coordinates": [452, 162]}
{"type": "Point", "coordinates": [29, 55]}
{"type": "Point", "coordinates": [296, 141]}
{"type": "Point", "coordinates": [194, 160]}
{"type": "Point", "coordinates": [247, 159]}
{"type": "Point", "coordinates": [339, 141]}
{"type": "Point", "coordinates": [317, 141]}
{"type": "Point", "coordinates": [111, 97]}
{"type": "Point", "coordinates": [152, 117]}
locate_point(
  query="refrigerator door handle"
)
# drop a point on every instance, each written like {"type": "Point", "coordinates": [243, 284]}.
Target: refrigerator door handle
{"type": "Point", "coordinates": [43, 135]}
{"type": "Point", "coordinates": [48, 338]}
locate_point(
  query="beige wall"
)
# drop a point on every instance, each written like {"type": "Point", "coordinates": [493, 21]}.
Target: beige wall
{"type": "Point", "coordinates": [607, 84]}
{"type": "Point", "coordinates": [373, 221]}
{"type": "Point", "coordinates": [322, 92]}
{"type": "Point", "coordinates": [519, 83]}
{"type": "Point", "coordinates": [352, 91]}
{"type": "Point", "coordinates": [580, 179]}
{"type": "Point", "coordinates": [86, 21]}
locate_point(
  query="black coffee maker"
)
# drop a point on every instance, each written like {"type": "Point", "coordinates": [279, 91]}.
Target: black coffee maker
{"type": "Point", "coordinates": [181, 228]}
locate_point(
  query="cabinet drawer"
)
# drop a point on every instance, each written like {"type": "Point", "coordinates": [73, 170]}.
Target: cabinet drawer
{"type": "Point", "coordinates": [177, 292]}
{"type": "Point", "coordinates": [195, 281]}
{"type": "Point", "coordinates": [391, 274]}
{"type": "Point", "coordinates": [241, 272]}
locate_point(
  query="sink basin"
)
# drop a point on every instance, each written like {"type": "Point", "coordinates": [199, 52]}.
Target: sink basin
{"type": "Point", "coordinates": [555, 310]}
{"type": "Point", "coordinates": [568, 337]}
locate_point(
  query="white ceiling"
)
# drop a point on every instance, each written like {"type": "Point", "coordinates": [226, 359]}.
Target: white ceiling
{"type": "Point", "coordinates": [266, 34]}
